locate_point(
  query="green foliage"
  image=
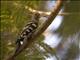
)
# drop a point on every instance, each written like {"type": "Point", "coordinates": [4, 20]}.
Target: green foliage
{"type": "Point", "coordinates": [13, 18]}
{"type": "Point", "coordinates": [72, 52]}
{"type": "Point", "coordinates": [71, 22]}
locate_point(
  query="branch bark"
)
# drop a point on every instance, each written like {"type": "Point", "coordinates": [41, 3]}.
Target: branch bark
{"type": "Point", "coordinates": [40, 30]}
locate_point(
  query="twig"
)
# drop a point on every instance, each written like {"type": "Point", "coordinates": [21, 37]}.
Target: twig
{"type": "Point", "coordinates": [40, 30]}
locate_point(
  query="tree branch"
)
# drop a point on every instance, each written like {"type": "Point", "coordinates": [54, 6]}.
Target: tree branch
{"type": "Point", "coordinates": [40, 30]}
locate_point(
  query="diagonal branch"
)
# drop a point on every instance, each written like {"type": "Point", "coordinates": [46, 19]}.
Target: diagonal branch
{"type": "Point", "coordinates": [40, 30]}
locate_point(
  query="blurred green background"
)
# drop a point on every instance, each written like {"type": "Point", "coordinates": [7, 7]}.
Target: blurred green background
{"type": "Point", "coordinates": [14, 16]}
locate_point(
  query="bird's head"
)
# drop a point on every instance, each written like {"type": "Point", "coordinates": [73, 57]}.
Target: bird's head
{"type": "Point", "coordinates": [36, 17]}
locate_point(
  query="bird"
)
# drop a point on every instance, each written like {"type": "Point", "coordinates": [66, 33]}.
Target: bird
{"type": "Point", "coordinates": [28, 30]}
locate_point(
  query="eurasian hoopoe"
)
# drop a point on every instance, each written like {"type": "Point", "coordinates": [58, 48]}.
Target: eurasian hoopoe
{"type": "Point", "coordinates": [28, 30]}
